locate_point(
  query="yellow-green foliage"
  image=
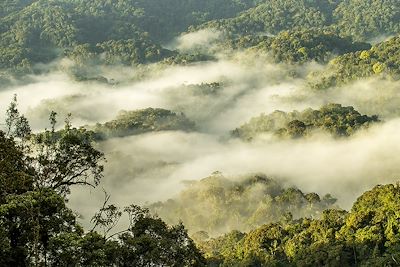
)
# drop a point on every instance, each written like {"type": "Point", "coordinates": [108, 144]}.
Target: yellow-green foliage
{"type": "Point", "coordinates": [368, 235]}
{"type": "Point", "coordinates": [368, 19]}
{"type": "Point", "coordinates": [126, 31]}
{"type": "Point", "coordinates": [305, 45]}
{"type": "Point", "coordinates": [217, 204]}
{"type": "Point", "coordinates": [332, 118]}
{"type": "Point", "coordinates": [142, 121]}
{"type": "Point", "coordinates": [382, 59]}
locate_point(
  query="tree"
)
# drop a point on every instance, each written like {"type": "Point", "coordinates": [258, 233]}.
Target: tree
{"type": "Point", "coordinates": [38, 229]}
{"type": "Point", "coordinates": [296, 128]}
{"type": "Point", "coordinates": [149, 241]}
{"type": "Point", "coordinates": [60, 158]}
{"type": "Point", "coordinates": [65, 158]}
{"type": "Point", "coordinates": [16, 175]}
{"type": "Point", "coordinates": [333, 118]}
{"type": "Point", "coordinates": [29, 221]}
{"type": "Point", "coordinates": [29, 216]}
{"type": "Point", "coordinates": [17, 125]}
{"type": "Point", "coordinates": [368, 235]}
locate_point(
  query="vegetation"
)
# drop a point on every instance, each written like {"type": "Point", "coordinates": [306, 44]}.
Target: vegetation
{"type": "Point", "coordinates": [382, 60]}
{"type": "Point", "coordinates": [251, 220]}
{"type": "Point", "coordinates": [332, 118]}
{"type": "Point", "coordinates": [164, 19]}
{"type": "Point", "coordinates": [217, 204]}
{"type": "Point", "coordinates": [368, 235]}
{"type": "Point", "coordinates": [306, 45]}
{"type": "Point", "coordinates": [368, 19]}
{"type": "Point", "coordinates": [38, 229]}
{"type": "Point", "coordinates": [142, 121]}
{"type": "Point", "coordinates": [296, 46]}
{"type": "Point", "coordinates": [130, 32]}
{"type": "Point", "coordinates": [360, 19]}
{"type": "Point", "coordinates": [101, 31]}
{"type": "Point", "coordinates": [39, 31]}
{"type": "Point", "coordinates": [274, 16]}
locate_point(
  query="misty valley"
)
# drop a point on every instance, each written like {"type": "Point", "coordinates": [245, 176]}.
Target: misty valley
{"type": "Point", "coordinates": [199, 133]}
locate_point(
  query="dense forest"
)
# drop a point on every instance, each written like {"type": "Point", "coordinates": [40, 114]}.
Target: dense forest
{"type": "Point", "coordinates": [199, 133]}
{"type": "Point", "coordinates": [365, 236]}
{"type": "Point", "coordinates": [331, 118]}
{"type": "Point", "coordinates": [141, 121]}
{"type": "Point", "coordinates": [217, 204]}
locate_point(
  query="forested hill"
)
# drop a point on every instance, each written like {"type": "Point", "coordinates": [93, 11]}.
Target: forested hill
{"type": "Point", "coordinates": [331, 118]}
{"type": "Point", "coordinates": [219, 204]}
{"type": "Point", "coordinates": [368, 235]}
{"type": "Point", "coordinates": [358, 18]}
{"type": "Point", "coordinates": [132, 32]}
{"type": "Point", "coordinates": [382, 60]}
{"type": "Point", "coordinates": [161, 19]}
{"type": "Point", "coordinates": [39, 31]}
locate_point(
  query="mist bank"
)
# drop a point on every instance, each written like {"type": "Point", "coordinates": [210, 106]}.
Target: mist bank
{"type": "Point", "coordinates": [154, 167]}
{"type": "Point", "coordinates": [245, 86]}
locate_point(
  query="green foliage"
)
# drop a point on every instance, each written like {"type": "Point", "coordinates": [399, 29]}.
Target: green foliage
{"type": "Point", "coordinates": [306, 45]}
{"type": "Point", "coordinates": [151, 242]}
{"type": "Point", "coordinates": [366, 236]}
{"type": "Point", "coordinates": [247, 41]}
{"type": "Point", "coordinates": [38, 229]}
{"type": "Point", "coordinates": [30, 216]}
{"type": "Point", "coordinates": [38, 170]}
{"type": "Point", "coordinates": [204, 89]}
{"type": "Point", "coordinates": [295, 46]}
{"type": "Point", "coordinates": [168, 18]}
{"type": "Point", "coordinates": [382, 60]}
{"type": "Point", "coordinates": [16, 176]}
{"type": "Point", "coordinates": [148, 241]}
{"type": "Point", "coordinates": [130, 32]}
{"type": "Point", "coordinates": [29, 221]}
{"type": "Point", "coordinates": [33, 34]}
{"type": "Point", "coordinates": [65, 158]}
{"type": "Point", "coordinates": [276, 15]}
{"type": "Point", "coordinates": [131, 51]}
{"type": "Point", "coordinates": [217, 204]}
{"type": "Point", "coordinates": [41, 30]}
{"type": "Point", "coordinates": [9, 6]}
{"type": "Point", "coordinates": [59, 159]}
{"type": "Point", "coordinates": [16, 125]}
{"type": "Point", "coordinates": [142, 121]}
{"type": "Point", "coordinates": [123, 31]}
{"type": "Point", "coordinates": [360, 19]}
{"type": "Point", "coordinates": [368, 19]}
{"type": "Point", "coordinates": [183, 58]}
{"type": "Point", "coordinates": [332, 118]}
